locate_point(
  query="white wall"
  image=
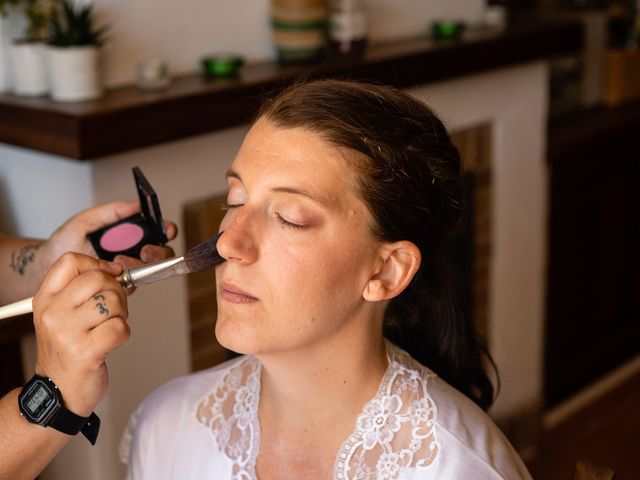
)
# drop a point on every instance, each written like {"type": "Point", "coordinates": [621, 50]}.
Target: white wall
{"type": "Point", "coordinates": [39, 191]}
{"type": "Point", "coordinates": [182, 32]}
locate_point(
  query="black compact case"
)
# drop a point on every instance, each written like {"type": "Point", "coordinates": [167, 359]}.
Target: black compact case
{"type": "Point", "coordinates": [129, 235]}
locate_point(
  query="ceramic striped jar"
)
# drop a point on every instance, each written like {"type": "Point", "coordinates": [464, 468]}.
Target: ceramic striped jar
{"type": "Point", "coordinates": [299, 29]}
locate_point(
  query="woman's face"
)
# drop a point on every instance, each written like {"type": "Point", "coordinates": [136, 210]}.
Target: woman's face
{"type": "Point", "coordinates": [297, 242]}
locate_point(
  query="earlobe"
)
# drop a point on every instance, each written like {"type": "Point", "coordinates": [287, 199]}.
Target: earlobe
{"type": "Point", "coordinates": [399, 263]}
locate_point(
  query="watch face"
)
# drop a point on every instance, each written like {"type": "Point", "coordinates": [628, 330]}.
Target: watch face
{"type": "Point", "coordinates": [36, 401]}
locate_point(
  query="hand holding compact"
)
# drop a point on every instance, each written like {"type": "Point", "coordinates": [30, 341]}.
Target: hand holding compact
{"type": "Point", "coordinates": [80, 316]}
{"type": "Point", "coordinates": [72, 236]}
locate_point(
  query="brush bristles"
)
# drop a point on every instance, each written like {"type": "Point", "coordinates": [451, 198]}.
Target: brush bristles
{"type": "Point", "coordinates": [203, 256]}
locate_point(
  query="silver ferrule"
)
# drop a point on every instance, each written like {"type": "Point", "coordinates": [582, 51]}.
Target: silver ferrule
{"type": "Point", "coordinates": [146, 274]}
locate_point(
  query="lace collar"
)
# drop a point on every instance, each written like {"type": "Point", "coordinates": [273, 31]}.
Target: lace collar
{"type": "Point", "coordinates": [394, 432]}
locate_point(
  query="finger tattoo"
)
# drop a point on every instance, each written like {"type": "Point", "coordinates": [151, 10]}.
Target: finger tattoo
{"type": "Point", "coordinates": [101, 304]}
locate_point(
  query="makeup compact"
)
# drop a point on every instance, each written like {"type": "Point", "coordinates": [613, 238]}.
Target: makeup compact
{"type": "Point", "coordinates": [129, 235]}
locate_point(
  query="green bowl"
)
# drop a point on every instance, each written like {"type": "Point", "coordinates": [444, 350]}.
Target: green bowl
{"type": "Point", "coordinates": [216, 66]}
{"type": "Point", "coordinates": [449, 30]}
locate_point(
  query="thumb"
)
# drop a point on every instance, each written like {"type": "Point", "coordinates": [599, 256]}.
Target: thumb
{"type": "Point", "coordinates": [102, 215]}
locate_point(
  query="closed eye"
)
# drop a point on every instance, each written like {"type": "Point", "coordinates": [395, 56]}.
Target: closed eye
{"type": "Point", "coordinates": [290, 224]}
{"type": "Point", "coordinates": [225, 206]}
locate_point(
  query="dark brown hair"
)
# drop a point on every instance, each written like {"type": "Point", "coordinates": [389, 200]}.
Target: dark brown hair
{"type": "Point", "coordinates": [410, 178]}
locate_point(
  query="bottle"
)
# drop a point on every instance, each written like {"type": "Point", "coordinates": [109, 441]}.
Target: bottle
{"type": "Point", "coordinates": [347, 27]}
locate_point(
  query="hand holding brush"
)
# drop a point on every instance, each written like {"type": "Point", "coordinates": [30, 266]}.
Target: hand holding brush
{"type": "Point", "coordinates": [199, 258]}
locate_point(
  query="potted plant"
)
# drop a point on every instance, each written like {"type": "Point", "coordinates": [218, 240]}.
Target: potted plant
{"type": "Point", "coordinates": [27, 54]}
{"type": "Point", "coordinates": [73, 53]}
{"type": "Point", "coordinates": [5, 42]}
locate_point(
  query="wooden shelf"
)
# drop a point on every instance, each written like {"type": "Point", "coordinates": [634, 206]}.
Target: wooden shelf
{"type": "Point", "coordinates": [128, 118]}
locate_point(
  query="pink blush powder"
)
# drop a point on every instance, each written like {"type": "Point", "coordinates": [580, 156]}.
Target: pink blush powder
{"type": "Point", "coordinates": [121, 237]}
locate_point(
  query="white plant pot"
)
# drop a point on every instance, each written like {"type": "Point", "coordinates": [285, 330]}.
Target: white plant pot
{"type": "Point", "coordinates": [29, 68]}
{"type": "Point", "coordinates": [74, 73]}
{"type": "Point", "coordinates": [5, 65]}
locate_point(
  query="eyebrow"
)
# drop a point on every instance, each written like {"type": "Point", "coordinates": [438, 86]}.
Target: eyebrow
{"type": "Point", "coordinates": [284, 189]}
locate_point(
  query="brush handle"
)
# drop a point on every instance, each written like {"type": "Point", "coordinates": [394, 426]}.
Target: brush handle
{"type": "Point", "coordinates": [17, 308]}
{"type": "Point", "coordinates": [151, 273]}
{"type": "Point", "coordinates": [142, 275]}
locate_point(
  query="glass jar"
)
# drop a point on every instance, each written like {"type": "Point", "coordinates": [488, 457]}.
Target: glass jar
{"type": "Point", "coordinates": [347, 27]}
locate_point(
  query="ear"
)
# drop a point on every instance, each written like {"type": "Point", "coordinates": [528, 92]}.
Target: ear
{"type": "Point", "coordinates": [399, 262]}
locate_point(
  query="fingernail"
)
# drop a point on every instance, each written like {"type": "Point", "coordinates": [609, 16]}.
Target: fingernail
{"type": "Point", "coordinates": [145, 254]}
{"type": "Point", "coordinates": [114, 267]}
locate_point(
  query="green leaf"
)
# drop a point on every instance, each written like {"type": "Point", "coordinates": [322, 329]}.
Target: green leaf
{"type": "Point", "coordinates": [74, 25]}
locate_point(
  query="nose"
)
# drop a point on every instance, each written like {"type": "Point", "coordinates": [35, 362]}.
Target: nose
{"type": "Point", "coordinates": [238, 244]}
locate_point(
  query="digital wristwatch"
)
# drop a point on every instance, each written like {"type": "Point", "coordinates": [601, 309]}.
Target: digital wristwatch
{"type": "Point", "coordinates": [41, 402]}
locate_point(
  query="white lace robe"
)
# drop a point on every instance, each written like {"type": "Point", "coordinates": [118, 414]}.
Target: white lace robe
{"type": "Point", "coordinates": [205, 426]}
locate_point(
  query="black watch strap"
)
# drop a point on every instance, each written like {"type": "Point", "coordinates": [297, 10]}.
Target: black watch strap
{"type": "Point", "coordinates": [41, 402]}
{"type": "Point", "coordinates": [68, 422]}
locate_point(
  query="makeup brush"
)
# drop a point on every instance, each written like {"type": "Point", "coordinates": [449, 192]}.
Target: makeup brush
{"type": "Point", "coordinates": [199, 258]}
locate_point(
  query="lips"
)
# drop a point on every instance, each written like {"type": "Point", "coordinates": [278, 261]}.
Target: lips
{"type": "Point", "coordinates": [233, 294]}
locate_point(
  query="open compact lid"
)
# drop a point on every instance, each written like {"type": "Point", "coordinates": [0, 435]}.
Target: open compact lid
{"type": "Point", "coordinates": [150, 206]}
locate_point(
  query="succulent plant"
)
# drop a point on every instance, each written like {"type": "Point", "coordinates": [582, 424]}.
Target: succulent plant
{"type": "Point", "coordinates": [38, 14]}
{"type": "Point", "coordinates": [75, 25]}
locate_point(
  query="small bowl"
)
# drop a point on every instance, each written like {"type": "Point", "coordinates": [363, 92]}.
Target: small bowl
{"type": "Point", "coordinates": [447, 29]}
{"type": "Point", "coordinates": [217, 66]}
{"type": "Point", "coordinates": [153, 74]}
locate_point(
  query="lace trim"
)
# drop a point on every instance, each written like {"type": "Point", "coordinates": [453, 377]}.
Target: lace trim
{"type": "Point", "coordinates": [395, 430]}
{"type": "Point", "coordinates": [231, 413]}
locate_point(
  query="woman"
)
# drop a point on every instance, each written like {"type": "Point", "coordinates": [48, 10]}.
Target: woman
{"type": "Point", "coordinates": [341, 202]}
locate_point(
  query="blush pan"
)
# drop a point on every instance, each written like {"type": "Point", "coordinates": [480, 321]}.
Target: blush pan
{"type": "Point", "coordinates": [128, 235]}
{"type": "Point", "coordinates": [121, 237]}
